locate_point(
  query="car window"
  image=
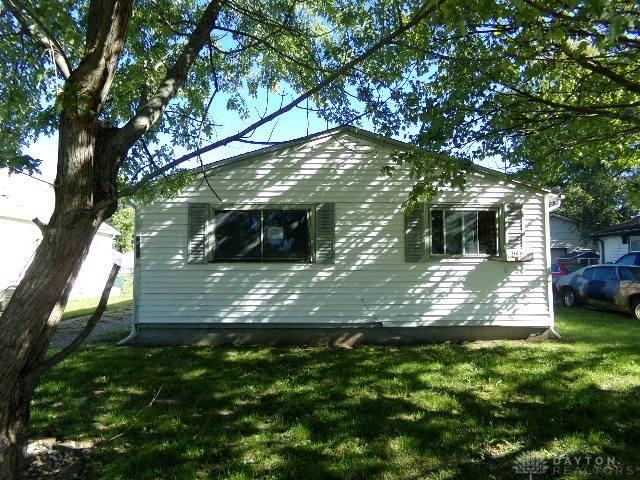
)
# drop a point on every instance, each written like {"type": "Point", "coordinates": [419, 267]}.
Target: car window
{"type": "Point", "coordinates": [604, 273]}
{"type": "Point", "coordinates": [588, 273]}
{"type": "Point", "coordinates": [555, 268]}
{"type": "Point", "coordinates": [629, 274]}
{"type": "Point", "coordinates": [628, 259]}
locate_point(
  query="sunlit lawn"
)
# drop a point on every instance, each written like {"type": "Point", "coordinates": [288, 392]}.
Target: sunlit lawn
{"type": "Point", "coordinates": [86, 306]}
{"type": "Point", "coordinates": [434, 411]}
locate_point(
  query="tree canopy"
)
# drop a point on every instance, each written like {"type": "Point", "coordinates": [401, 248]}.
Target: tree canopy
{"type": "Point", "coordinates": [336, 54]}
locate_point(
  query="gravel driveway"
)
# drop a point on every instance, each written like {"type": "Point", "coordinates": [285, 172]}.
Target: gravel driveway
{"type": "Point", "coordinates": [102, 333]}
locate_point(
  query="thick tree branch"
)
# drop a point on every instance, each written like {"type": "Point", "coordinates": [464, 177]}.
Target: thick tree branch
{"type": "Point", "coordinates": [88, 328]}
{"type": "Point", "coordinates": [107, 24]}
{"type": "Point", "coordinates": [422, 13]}
{"type": "Point", "coordinates": [597, 67]}
{"type": "Point", "coordinates": [152, 110]}
{"type": "Point", "coordinates": [39, 32]}
{"type": "Point", "coordinates": [41, 226]}
{"type": "Point", "coordinates": [591, 110]}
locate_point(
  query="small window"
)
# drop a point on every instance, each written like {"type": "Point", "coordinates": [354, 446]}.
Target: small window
{"type": "Point", "coordinates": [588, 273]}
{"type": "Point", "coordinates": [605, 273]}
{"type": "Point", "coordinates": [261, 235]}
{"type": "Point", "coordinates": [464, 232]}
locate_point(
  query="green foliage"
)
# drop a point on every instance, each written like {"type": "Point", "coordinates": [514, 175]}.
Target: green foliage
{"type": "Point", "coordinates": [458, 411]}
{"type": "Point", "coordinates": [123, 220]}
{"type": "Point", "coordinates": [549, 86]}
{"type": "Point", "coordinates": [430, 172]}
{"type": "Point", "coordinates": [276, 48]}
{"type": "Point", "coordinates": [596, 198]}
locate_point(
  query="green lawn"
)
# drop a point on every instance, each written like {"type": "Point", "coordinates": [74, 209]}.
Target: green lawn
{"type": "Point", "coordinates": [86, 306]}
{"type": "Point", "coordinates": [434, 411]}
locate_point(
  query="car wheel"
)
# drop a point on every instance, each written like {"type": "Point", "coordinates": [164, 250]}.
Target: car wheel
{"type": "Point", "coordinates": [569, 298]}
{"type": "Point", "coordinates": [635, 309]}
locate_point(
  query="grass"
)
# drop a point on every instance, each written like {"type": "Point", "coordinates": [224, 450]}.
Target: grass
{"type": "Point", "coordinates": [435, 411]}
{"type": "Point", "coordinates": [86, 306]}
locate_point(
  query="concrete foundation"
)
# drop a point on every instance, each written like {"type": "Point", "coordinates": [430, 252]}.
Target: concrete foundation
{"type": "Point", "coordinates": [343, 335]}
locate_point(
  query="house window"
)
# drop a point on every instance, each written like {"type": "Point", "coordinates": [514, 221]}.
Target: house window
{"type": "Point", "coordinates": [262, 235]}
{"type": "Point", "coordinates": [464, 232]}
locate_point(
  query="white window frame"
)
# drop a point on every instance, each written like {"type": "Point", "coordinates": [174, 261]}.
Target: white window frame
{"type": "Point", "coordinates": [498, 210]}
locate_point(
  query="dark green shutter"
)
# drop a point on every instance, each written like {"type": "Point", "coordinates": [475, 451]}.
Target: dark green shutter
{"type": "Point", "coordinates": [197, 233]}
{"type": "Point", "coordinates": [513, 225]}
{"type": "Point", "coordinates": [414, 235]}
{"type": "Point", "coordinates": [325, 232]}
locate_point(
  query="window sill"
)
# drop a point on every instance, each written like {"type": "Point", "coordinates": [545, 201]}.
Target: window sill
{"type": "Point", "coordinates": [253, 262]}
{"type": "Point", "coordinates": [466, 257]}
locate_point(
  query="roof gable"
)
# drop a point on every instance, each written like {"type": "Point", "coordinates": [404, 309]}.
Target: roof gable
{"type": "Point", "coordinates": [355, 132]}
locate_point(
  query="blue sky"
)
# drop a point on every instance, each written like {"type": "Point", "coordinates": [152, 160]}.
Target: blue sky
{"type": "Point", "coordinates": [294, 124]}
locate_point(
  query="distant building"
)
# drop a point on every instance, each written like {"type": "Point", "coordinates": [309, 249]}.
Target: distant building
{"type": "Point", "coordinates": [618, 240]}
{"type": "Point", "coordinates": [565, 237]}
{"type": "Point", "coordinates": [23, 198]}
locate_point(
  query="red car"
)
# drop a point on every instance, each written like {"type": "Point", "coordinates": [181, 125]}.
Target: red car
{"type": "Point", "coordinates": [562, 268]}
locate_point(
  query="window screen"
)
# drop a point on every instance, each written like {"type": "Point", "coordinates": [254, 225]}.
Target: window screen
{"type": "Point", "coordinates": [255, 235]}
{"type": "Point", "coordinates": [286, 234]}
{"type": "Point", "coordinates": [237, 235]}
{"type": "Point", "coordinates": [464, 232]}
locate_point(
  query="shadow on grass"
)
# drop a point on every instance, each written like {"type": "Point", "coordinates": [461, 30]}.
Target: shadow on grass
{"type": "Point", "coordinates": [437, 411]}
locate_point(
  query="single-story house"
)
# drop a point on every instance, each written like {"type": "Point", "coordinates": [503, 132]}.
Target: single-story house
{"type": "Point", "coordinates": [618, 240]}
{"type": "Point", "coordinates": [23, 198]}
{"type": "Point", "coordinates": [308, 242]}
{"type": "Point", "coordinates": [565, 237]}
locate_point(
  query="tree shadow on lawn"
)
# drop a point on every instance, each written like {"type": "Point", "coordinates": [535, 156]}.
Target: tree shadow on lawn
{"type": "Point", "coordinates": [439, 411]}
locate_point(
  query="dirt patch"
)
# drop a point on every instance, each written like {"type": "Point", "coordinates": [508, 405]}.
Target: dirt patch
{"type": "Point", "coordinates": [50, 458]}
{"type": "Point", "coordinates": [104, 332]}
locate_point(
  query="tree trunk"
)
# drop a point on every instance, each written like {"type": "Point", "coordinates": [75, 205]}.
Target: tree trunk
{"type": "Point", "coordinates": [36, 307]}
{"type": "Point", "coordinates": [14, 415]}
{"type": "Point", "coordinates": [30, 321]}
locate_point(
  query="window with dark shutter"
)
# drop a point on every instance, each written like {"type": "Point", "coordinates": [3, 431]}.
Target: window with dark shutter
{"type": "Point", "coordinates": [197, 232]}
{"type": "Point", "coordinates": [325, 232]}
{"type": "Point", "coordinates": [414, 236]}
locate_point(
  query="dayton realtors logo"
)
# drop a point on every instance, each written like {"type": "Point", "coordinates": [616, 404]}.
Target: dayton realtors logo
{"type": "Point", "coordinates": [530, 464]}
{"type": "Point", "coordinates": [535, 466]}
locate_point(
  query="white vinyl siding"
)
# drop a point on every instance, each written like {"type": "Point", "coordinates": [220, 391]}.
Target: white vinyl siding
{"type": "Point", "coordinates": [613, 248]}
{"type": "Point", "coordinates": [368, 277]}
{"type": "Point", "coordinates": [564, 234]}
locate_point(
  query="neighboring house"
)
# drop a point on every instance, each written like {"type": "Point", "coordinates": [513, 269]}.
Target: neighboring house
{"type": "Point", "coordinates": [22, 199]}
{"type": "Point", "coordinates": [565, 237]}
{"type": "Point", "coordinates": [618, 240]}
{"type": "Point", "coordinates": [311, 245]}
